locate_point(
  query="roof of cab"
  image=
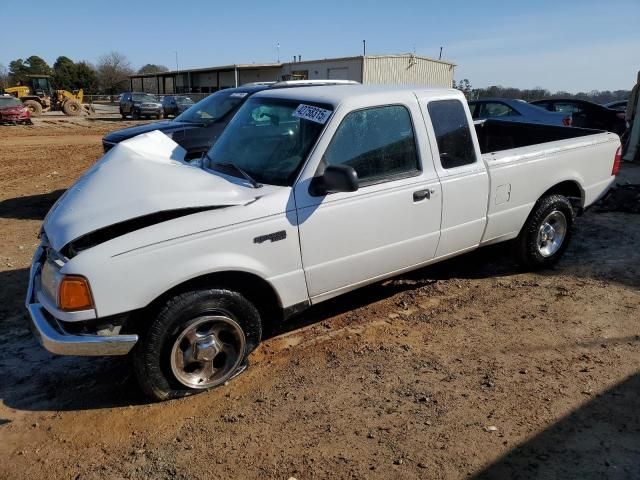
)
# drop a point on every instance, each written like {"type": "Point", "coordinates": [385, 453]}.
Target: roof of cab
{"type": "Point", "coordinates": [336, 94]}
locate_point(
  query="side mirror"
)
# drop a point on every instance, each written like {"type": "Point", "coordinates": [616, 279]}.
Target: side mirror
{"type": "Point", "coordinates": [336, 178]}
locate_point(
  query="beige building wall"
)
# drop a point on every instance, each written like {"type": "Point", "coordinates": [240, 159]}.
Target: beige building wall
{"type": "Point", "coordinates": [271, 74]}
{"type": "Point", "coordinates": [338, 69]}
{"type": "Point", "coordinates": [407, 70]}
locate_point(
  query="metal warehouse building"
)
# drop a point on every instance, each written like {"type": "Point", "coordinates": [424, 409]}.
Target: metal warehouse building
{"type": "Point", "coordinates": [404, 69]}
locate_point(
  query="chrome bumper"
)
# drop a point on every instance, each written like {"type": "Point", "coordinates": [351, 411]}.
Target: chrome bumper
{"type": "Point", "coordinates": [54, 338]}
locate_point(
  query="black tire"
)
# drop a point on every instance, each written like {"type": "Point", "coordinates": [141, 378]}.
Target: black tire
{"type": "Point", "coordinates": [527, 249]}
{"type": "Point", "coordinates": [123, 115]}
{"type": "Point", "coordinates": [72, 108]}
{"type": "Point", "coordinates": [160, 116]}
{"type": "Point", "coordinates": [135, 115]}
{"type": "Point", "coordinates": [153, 352]}
{"type": "Point", "coordinates": [35, 107]}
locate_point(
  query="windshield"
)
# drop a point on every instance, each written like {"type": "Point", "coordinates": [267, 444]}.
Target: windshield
{"type": "Point", "coordinates": [184, 101]}
{"type": "Point", "coordinates": [9, 102]}
{"type": "Point", "coordinates": [213, 108]}
{"type": "Point", "coordinates": [144, 97]}
{"type": "Point", "coordinates": [269, 139]}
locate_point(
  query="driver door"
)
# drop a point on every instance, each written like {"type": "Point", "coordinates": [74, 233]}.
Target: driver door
{"type": "Point", "coordinates": [391, 223]}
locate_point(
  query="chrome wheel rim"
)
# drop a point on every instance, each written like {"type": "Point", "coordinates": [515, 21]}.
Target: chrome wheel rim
{"type": "Point", "coordinates": [208, 351]}
{"type": "Point", "coordinates": [552, 233]}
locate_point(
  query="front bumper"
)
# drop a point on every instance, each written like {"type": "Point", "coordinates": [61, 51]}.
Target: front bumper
{"type": "Point", "coordinates": [53, 337]}
{"type": "Point", "coordinates": [149, 111]}
{"type": "Point", "coordinates": [51, 334]}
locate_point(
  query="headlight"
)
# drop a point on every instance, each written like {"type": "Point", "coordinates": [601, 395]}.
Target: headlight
{"type": "Point", "coordinates": [49, 280]}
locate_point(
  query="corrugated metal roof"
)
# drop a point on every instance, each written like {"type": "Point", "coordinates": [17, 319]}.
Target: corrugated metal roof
{"type": "Point", "coordinates": [239, 66]}
{"type": "Point", "coordinates": [244, 66]}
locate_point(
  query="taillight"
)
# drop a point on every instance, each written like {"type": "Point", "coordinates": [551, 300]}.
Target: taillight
{"type": "Point", "coordinates": [567, 121]}
{"type": "Point", "coordinates": [617, 162]}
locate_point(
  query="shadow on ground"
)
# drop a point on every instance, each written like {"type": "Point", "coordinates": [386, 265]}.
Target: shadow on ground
{"type": "Point", "coordinates": [30, 207]}
{"type": "Point", "coordinates": [601, 439]}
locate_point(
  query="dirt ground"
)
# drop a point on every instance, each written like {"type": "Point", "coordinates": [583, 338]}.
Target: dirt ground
{"type": "Point", "coordinates": [470, 368]}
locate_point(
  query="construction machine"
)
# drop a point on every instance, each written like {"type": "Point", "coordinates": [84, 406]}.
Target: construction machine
{"type": "Point", "coordinates": [40, 96]}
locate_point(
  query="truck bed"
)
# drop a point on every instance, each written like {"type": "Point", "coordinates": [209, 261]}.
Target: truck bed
{"type": "Point", "coordinates": [496, 135]}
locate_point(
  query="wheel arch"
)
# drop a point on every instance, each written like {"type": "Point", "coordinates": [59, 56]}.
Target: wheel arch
{"type": "Point", "coordinates": [568, 188]}
{"type": "Point", "coordinates": [255, 288]}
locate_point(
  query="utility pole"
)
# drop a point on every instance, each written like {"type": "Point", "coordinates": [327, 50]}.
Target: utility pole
{"type": "Point", "coordinates": [175, 77]}
{"type": "Point", "coordinates": [364, 48]}
{"type": "Point", "coordinates": [440, 57]}
{"type": "Point", "coordinates": [278, 49]}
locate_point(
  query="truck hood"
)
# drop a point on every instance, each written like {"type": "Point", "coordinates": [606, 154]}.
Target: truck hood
{"type": "Point", "coordinates": [137, 178]}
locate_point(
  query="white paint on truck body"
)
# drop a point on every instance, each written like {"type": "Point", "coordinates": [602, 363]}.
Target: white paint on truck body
{"type": "Point", "coordinates": [332, 243]}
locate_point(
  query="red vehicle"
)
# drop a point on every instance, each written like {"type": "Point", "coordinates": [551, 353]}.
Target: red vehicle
{"type": "Point", "coordinates": [13, 111]}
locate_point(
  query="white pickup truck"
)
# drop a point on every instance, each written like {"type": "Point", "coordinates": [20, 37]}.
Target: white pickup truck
{"type": "Point", "coordinates": [308, 193]}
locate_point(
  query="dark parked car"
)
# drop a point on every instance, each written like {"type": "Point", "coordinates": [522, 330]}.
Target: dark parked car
{"type": "Point", "coordinates": [174, 105]}
{"type": "Point", "coordinates": [586, 114]}
{"type": "Point", "coordinates": [513, 110]}
{"type": "Point", "coordinates": [197, 128]}
{"type": "Point", "coordinates": [13, 111]}
{"type": "Point", "coordinates": [138, 104]}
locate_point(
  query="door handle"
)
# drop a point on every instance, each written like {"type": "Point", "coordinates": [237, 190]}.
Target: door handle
{"type": "Point", "coordinates": [421, 195]}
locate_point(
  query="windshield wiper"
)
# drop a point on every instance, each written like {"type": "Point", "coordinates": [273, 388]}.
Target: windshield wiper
{"type": "Point", "coordinates": [254, 183]}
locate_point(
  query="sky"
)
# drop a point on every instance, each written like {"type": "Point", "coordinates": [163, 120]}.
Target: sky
{"type": "Point", "coordinates": [570, 45]}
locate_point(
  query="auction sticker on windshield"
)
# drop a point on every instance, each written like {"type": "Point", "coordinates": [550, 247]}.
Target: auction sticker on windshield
{"type": "Point", "coordinates": [239, 94]}
{"type": "Point", "coordinates": [309, 112]}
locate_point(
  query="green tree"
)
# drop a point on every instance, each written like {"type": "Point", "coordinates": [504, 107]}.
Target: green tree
{"type": "Point", "coordinates": [64, 74]}
{"type": "Point", "coordinates": [86, 77]}
{"type": "Point", "coordinates": [152, 68]}
{"type": "Point", "coordinates": [20, 69]}
{"type": "Point", "coordinates": [465, 87]}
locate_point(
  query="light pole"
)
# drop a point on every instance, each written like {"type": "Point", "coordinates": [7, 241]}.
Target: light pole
{"type": "Point", "coordinates": [175, 77]}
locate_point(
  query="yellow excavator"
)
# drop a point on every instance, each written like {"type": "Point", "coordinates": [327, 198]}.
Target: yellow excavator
{"type": "Point", "coordinates": [39, 96]}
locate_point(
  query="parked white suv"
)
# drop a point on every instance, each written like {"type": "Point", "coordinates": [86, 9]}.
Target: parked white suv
{"type": "Point", "coordinates": [309, 193]}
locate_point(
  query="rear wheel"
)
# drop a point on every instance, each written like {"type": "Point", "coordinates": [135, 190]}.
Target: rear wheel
{"type": "Point", "coordinates": [545, 236]}
{"type": "Point", "coordinates": [198, 340]}
{"type": "Point", "coordinates": [35, 107]}
{"type": "Point", "coordinates": [72, 108]}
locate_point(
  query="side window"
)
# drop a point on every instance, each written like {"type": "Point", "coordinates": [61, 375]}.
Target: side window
{"type": "Point", "coordinates": [377, 143]}
{"type": "Point", "coordinates": [497, 109]}
{"type": "Point", "coordinates": [567, 108]}
{"type": "Point", "coordinates": [453, 135]}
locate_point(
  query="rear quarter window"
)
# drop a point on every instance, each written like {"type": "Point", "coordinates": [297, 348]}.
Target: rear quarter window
{"type": "Point", "coordinates": [453, 133]}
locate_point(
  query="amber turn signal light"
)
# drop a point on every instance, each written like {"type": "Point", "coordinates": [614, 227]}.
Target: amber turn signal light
{"type": "Point", "coordinates": [74, 294]}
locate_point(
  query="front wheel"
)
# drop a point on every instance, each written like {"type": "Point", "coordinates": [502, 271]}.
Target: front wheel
{"type": "Point", "coordinates": [198, 340]}
{"type": "Point", "coordinates": [546, 233]}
